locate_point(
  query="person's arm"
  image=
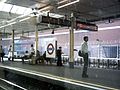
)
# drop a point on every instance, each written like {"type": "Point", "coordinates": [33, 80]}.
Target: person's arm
{"type": "Point", "coordinates": [82, 48]}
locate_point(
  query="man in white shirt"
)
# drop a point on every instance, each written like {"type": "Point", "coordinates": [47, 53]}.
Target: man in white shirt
{"type": "Point", "coordinates": [32, 51]}
{"type": "Point", "coordinates": [84, 50]}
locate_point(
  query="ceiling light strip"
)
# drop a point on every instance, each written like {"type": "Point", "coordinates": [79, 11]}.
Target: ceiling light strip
{"type": "Point", "coordinates": [62, 1]}
{"type": "Point", "coordinates": [24, 19]}
{"type": "Point", "coordinates": [64, 33]}
{"type": "Point", "coordinates": [80, 31]}
{"type": "Point", "coordinates": [3, 1]}
{"type": "Point", "coordinates": [108, 28]}
{"type": "Point", "coordinates": [68, 4]}
{"type": "Point", "coordinates": [15, 22]}
{"type": "Point", "coordinates": [45, 8]}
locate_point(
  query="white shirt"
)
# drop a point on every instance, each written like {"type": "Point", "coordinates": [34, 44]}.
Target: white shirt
{"type": "Point", "coordinates": [32, 50]}
{"type": "Point", "coordinates": [10, 49]}
{"type": "Point", "coordinates": [84, 47]}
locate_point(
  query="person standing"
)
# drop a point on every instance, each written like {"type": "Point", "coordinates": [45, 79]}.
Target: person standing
{"type": "Point", "coordinates": [59, 59]}
{"type": "Point", "coordinates": [84, 50]}
{"type": "Point", "coordinates": [2, 53]}
{"type": "Point", "coordinates": [10, 52]}
{"type": "Point", "coordinates": [32, 51]}
{"type": "Point", "coordinates": [37, 58]}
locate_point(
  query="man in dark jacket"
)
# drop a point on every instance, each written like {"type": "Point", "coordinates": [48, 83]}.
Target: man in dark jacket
{"type": "Point", "coordinates": [59, 59]}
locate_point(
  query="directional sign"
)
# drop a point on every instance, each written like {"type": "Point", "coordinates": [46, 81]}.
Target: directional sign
{"type": "Point", "coordinates": [64, 22]}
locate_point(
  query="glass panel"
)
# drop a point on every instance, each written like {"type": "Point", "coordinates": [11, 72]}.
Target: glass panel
{"type": "Point", "coordinates": [7, 7]}
{"type": "Point", "coordinates": [28, 10]}
{"type": "Point", "coordinates": [14, 9]}
{"type": "Point", "coordinates": [1, 6]}
{"type": "Point", "coordinates": [20, 10]}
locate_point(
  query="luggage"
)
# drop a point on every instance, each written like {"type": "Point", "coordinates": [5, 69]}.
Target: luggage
{"type": "Point", "coordinates": [80, 53]}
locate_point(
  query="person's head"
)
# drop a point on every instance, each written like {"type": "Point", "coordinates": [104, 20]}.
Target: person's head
{"type": "Point", "coordinates": [26, 51]}
{"type": "Point", "coordinates": [85, 38]}
{"type": "Point", "coordinates": [38, 51]}
{"type": "Point", "coordinates": [31, 45]}
{"type": "Point", "coordinates": [10, 45]}
{"type": "Point", "coordinates": [60, 48]}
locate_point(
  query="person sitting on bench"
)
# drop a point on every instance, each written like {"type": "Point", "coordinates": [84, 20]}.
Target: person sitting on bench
{"type": "Point", "coordinates": [26, 56]}
{"type": "Point", "coordinates": [37, 58]}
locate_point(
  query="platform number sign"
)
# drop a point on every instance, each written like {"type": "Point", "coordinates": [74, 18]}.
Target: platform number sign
{"type": "Point", "coordinates": [50, 49]}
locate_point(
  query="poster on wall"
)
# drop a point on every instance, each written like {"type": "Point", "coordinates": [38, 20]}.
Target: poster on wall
{"type": "Point", "coordinates": [51, 49]}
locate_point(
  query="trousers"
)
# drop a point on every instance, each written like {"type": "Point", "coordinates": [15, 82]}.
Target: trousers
{"type": "Point", "coordinates": [85, 67]}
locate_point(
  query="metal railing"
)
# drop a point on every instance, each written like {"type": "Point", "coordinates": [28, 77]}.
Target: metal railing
{"type": "Point", "coordinates": [107, 63]}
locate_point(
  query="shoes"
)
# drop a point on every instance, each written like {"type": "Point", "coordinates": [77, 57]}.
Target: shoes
{"type": "Point", "coordinates": [84, 76]}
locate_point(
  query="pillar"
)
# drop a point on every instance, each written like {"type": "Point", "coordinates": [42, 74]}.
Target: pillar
{"type": "Point", "coordinates": [71, 60]}
{"type": "Point", "coordinates": [36, 39]}
{"type": "Point", "coordinates": [13, 45]}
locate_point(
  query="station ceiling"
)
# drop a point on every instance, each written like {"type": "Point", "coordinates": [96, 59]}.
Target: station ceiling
{"type": "Point", "coordinates": [84, 10]}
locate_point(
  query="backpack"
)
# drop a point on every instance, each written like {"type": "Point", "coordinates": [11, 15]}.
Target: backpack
{"type": "Point", "coordinates": [79, 53]}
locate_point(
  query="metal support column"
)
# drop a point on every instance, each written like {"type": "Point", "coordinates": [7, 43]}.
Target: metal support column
{"type": "Point", "coordinates": [13, 45]}
{"type": "Point", "coordinates": [0, 38]}
{"type": "Point", "coordinates": [71, 62]}
{"type": "Point", "coordinates": [36, 39]}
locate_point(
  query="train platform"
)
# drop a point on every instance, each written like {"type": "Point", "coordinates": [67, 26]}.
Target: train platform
{"type": "Point", "coordinates": [99, 79]}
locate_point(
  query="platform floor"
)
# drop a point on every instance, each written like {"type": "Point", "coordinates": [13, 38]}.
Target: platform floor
{"type": "Point", "coordinates": [99, 77]}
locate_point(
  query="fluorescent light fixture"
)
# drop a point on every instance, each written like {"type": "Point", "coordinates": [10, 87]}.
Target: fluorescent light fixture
{"type": "Point", "coordinates": [107, 28]}
{"type": "Point", "coordinates": [68, 4]}
{"type": "Point", "coordinates": [62, 1]}
{"type": "Point", "coordinates": [3, 1]}
{"type": "Point", "coordinates": [55, 15]}
{"type": "Point", "coordinates": [45, 8]}
{"type": "Point", "coordinates": [24, 19]}
{"type": "Point", "coordinates": [14, 8]}
{"type": "Point", "coordinates": [14, 22]}
{"type": "Point", "coordinates": [7, 25]}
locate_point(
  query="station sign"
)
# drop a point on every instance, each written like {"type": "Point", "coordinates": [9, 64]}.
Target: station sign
{"type": "Point", "coordinates": [86, 26]}
{"type": "Point", "coordinates": [51, 49]}
{"type": "Point", "coordinates": [65, 22]}
{"type": "Point", "coordinates": [54, 21]}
